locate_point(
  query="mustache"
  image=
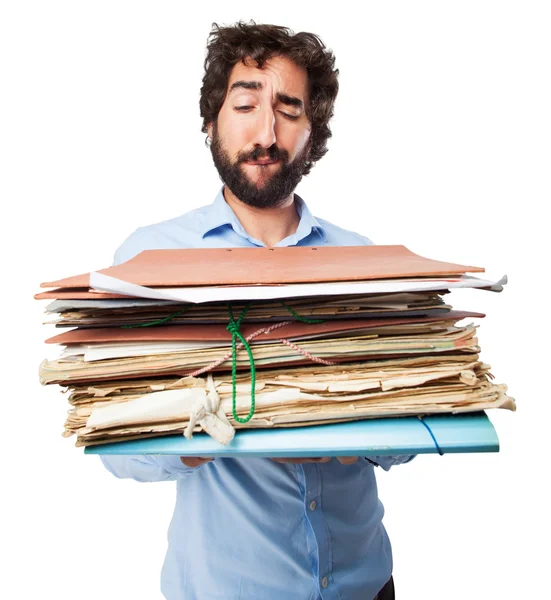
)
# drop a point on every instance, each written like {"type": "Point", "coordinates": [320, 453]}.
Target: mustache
{"type": "Point", "coordinates": [272, 153]}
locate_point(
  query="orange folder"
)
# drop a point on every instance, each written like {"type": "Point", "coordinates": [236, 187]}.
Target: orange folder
{"type": "Point", "coordinates": [218, 332]}
{"type": "Point", "coordinates": [267, 266]}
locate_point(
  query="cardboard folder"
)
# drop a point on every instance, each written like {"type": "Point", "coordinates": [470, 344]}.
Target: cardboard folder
{"type": "Point", "coordinates": [78, 294]}
{"type": "Point", "coordinates": [380, 437]}
{"type": "Point", "coordinates": [269, 266]}
{"type": "Point", "coordinates": [219, 332]}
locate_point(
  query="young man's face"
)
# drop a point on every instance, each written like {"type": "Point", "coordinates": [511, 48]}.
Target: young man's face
{"type": "Point", "coordinates": [261, 139]}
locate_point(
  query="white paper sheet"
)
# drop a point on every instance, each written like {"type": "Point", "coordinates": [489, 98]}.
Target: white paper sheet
{"type": "Point", "coordinates": [95, 352]}
{"type": "Point", "coordinates": [105, 283]}
{"type": "Point", "coordinates": [59, 306]}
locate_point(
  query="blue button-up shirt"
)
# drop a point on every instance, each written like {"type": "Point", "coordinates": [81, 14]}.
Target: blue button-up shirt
{"type": "Point", "coordinates": [252, 528]}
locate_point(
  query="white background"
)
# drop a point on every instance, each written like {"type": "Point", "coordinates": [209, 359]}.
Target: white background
{"type": "Point", "coordinates": [441, 143]}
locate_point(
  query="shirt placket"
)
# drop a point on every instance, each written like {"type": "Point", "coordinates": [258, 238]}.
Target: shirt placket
{"type": "Point", "coordinates": [314, 514]}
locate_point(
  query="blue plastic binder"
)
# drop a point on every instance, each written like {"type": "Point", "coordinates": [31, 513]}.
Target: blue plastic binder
{"type": "Point", "coordinates": [462, 433]}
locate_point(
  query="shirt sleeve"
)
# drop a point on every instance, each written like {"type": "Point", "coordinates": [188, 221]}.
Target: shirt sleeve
{"type": "Point", "coordinates": [146, 468]}
{"type": "Point", "coordinates": [132, 246]}
{"type": "Point", "coordinates": [386, 462]}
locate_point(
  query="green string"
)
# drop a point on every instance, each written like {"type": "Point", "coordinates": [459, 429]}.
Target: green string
{"type": "Point", "coordinates": [233, 328]}
{"type": "Point", "coordinates": [159, 321]}
{"type": "Point", "coordinates": [165, 319]}
{"type": "Point", "coordinates": [299, 318]}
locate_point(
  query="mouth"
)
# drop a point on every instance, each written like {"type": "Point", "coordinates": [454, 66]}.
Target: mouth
{"type": "Point", "coordinates": [261, 162]}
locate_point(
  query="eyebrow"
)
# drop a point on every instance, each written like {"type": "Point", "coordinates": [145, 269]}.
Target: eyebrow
{"type": "Point", "coordinates": [257, 85]}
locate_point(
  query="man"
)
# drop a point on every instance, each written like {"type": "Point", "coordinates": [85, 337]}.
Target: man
{"type": "Point", "coordinates": [259, 528]}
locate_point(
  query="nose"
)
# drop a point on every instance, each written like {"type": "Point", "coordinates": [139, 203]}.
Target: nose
{"type": "Point", "coordinates": [264, 134]}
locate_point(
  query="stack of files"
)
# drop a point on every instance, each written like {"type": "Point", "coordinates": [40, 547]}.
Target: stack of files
{"type": "Point", "coordinates": [349, 345]}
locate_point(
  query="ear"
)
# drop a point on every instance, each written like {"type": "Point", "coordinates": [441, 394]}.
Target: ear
{"type": "Point", "coordinates": [209, 130]}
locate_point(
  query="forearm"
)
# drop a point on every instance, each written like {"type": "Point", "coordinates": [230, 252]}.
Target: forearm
{"type": "Point", "coordinates": [145, 468]}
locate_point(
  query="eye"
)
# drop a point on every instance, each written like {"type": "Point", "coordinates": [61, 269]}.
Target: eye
{"type": "Point", "coordinates": [289, 116]}
{"type": "Point", "coordinates": [243, 108]}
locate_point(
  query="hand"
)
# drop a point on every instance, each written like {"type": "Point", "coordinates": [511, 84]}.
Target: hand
{"type": "Point", "coordinates": [194, 461]}
{"type": "Point", "coordinates": [347, 460]}
{"type": "Point", "coordinates": [299, 461]}
{"type": "Point", "coordinates": [344, 460]}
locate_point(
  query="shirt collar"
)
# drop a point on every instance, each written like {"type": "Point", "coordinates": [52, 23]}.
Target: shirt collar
{"type": "Point", "coordinates": [220, 214]}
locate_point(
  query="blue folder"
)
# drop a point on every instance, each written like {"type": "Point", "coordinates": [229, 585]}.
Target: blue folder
{"type": "Point", "coordinates": [442, 434]}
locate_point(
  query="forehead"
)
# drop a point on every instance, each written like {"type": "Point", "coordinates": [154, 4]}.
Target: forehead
{"type": "Point", "coordinates": [280, 74]}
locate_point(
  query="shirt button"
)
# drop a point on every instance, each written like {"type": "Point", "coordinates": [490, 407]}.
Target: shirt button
{"type": "Point", "coordinates": [324, 582]}
{"type": "Point", "coordinates": [313, 505]}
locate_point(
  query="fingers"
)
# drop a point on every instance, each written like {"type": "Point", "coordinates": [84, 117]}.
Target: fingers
{"type": "Point", "coordinates": [194, 461]}
{"type": "Point", "coordinates": [298, 461]}
{"type": "Point", "coordinates": [347, 460]}
{"type": "Point", "coordinates": [344, 460]}
{"type": "Point", "coordinates": [197, 461]}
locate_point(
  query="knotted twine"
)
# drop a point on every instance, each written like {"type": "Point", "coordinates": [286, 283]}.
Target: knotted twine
{"type": "Point", "coordinates": [210, 416]}
{"type": "Point", "coordinates": [233, 328]}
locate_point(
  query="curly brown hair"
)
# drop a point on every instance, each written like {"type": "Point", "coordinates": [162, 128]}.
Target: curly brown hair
{"type": "Point", "coordinates": [227, 46]}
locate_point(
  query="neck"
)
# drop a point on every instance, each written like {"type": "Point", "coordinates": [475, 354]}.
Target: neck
{"type": "Point", "coordinates": [269, 225]}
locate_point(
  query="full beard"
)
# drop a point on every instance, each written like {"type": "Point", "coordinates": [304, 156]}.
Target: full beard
{"type": "Point", "coordinates": [271, 190]}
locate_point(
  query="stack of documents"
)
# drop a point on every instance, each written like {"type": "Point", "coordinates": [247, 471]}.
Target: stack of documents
{"type": "Point", "coordinates": [176, 342]}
